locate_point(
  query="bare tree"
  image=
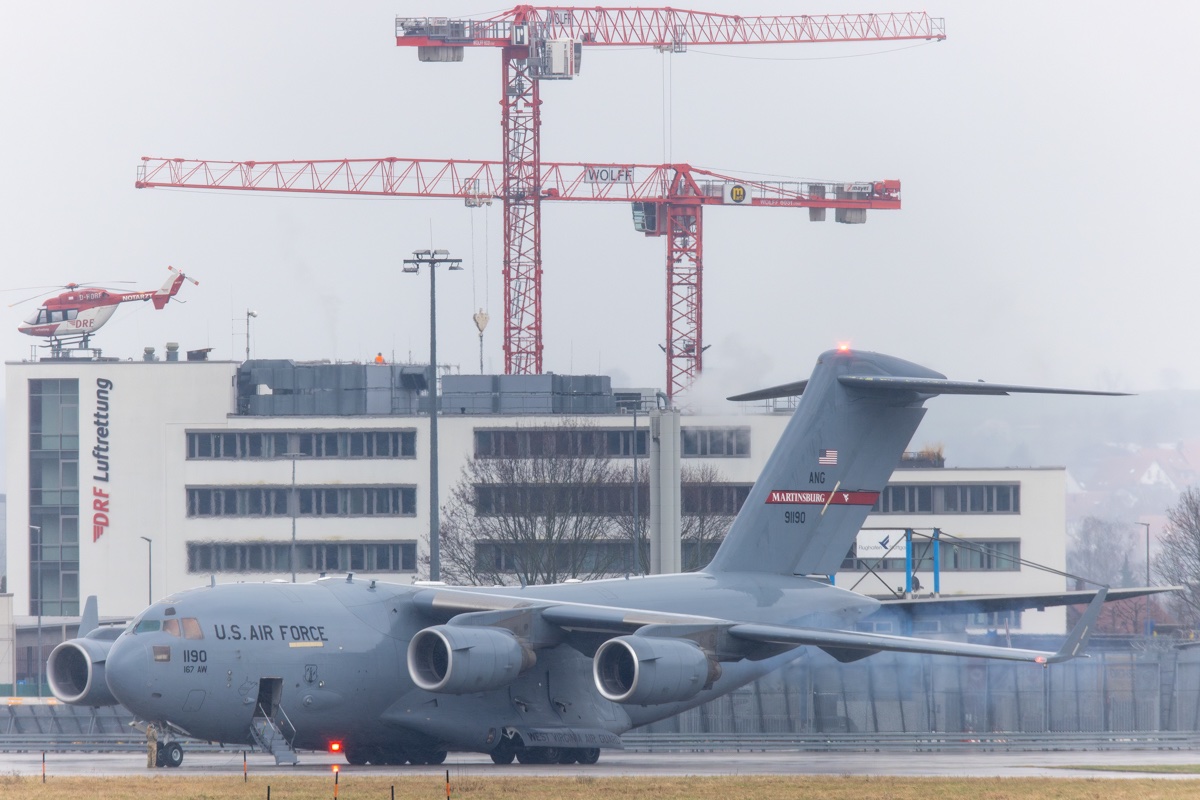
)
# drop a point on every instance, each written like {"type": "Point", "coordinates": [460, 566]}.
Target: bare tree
{"type": "Point", "coordinates": [1178, 561]}
{"type": "Point", "coordinates": [1103, 551]}
{"type": "Point", "coordinates": [553, 509]}
{"type": "Point", "coordinates": [542, 515]}
{"type": "Point", "coordinates": [1108, 552]}
{"type": "Point", "coordinates": [708, 511]}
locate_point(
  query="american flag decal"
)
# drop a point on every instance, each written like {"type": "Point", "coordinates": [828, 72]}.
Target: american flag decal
{"type": "Point", "coordinates": [827, 457]}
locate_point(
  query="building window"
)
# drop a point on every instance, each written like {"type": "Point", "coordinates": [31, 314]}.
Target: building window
{"type": "Point", "coordinates": [602, 500]}
{"type": "Point", "coordinates": [715, 442]}
{"type": "Point", "coordinates": [54, 495]}
{"type": "Point", "coordinates": [308, 444]}
{"type": "Point", "coordinates": [322, 556]}
{"type": "Point", "coordinates": [569, 442]}
{"type": "Point", "coordinates": [995, 619]}
{"type": "Point", "coordinates": [311, 501]}
{"type": "Point", "coordinates": [957, 555]}
{"type": "Point", "coordinates": [934, 498]}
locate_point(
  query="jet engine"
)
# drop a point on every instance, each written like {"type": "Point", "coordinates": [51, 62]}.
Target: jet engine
{"type": "Point", "coordinates": [459, 659]}
{"type": "Point", "coordinates": [75, 670]}
{"type": "Point", "coordinates": [644, 670]}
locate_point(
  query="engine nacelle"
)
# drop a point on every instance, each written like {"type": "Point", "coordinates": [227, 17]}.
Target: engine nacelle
{"type": "Point", "coordinates": [75, 671]}
{"type": "Point", "coordinates": [645, 670]}
{"type": "Point", "coordinates": [460, 659]}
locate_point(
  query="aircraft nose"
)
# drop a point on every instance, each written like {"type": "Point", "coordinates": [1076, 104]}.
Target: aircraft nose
{"type": "Point", "coordinates": [126, 670]}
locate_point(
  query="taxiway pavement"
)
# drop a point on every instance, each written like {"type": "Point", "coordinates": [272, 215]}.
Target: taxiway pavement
{"type": "Point", "coordinates": [627, 764]}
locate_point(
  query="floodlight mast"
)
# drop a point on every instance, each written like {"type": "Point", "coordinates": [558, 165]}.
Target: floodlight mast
{"type": "Point", "coordinates": [433, 259]}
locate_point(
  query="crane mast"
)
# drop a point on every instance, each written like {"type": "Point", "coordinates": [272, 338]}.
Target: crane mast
{"type": "Point", "coordinates": [546, 43]}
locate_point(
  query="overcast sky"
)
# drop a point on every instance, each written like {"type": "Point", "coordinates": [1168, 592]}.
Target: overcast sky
{"type": "Point", "coordinates": [1047, 151]}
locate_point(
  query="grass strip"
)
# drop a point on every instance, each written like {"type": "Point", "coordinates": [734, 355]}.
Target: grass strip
{"type": "Point", "coordinates": [475, 787]}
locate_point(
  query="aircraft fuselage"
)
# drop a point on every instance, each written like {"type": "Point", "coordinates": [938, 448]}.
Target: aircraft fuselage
{"type": "Point", "coordinates": [332, 656]}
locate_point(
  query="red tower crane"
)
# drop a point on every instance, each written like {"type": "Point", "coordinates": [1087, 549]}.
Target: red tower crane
{"type": "Point", "coordinates": [539, 44]}
{"type": "Point", "coordinates": [666, 198]}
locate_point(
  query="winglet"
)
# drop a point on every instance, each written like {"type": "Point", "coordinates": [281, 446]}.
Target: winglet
{"type": "Point", "coordinates": [1079, 635]}
{"type": "Point", "coordinates": [91, 617]}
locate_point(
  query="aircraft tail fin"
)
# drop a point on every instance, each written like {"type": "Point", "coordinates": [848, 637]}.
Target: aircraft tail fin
{"type": "Point", "coordinates": [91, 617]}
{"type": "Point", "coordinates": [170, 287]}
{"type": "Point", "coordinates": [856, 416]}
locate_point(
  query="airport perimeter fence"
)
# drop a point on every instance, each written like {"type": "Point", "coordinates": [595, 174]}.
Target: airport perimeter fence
{"type": "Point", "coordinates": [1146, 699]}
{"type": "Point", "coordinates": [1155, 690]}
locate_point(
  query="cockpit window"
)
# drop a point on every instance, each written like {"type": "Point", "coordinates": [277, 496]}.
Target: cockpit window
{"type": "Point", "coordinates": [149, 626]}
{"type": "Point", "coordinates": [191, 628]}
{"type": "Point", "coordinates": [171, 626]}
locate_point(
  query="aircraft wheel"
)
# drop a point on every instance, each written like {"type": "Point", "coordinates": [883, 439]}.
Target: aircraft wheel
{"type": "Point", "coordinates": [568, 755]}
{"type": "Point", "coordinates": [393, 755]}
{"type": "Point", "coordinates": [503, 755]}
{"type": "Point", "coordinates": [172, 754]}
{"type": "Point", "coordinates": [530, 755]}
{"type": "Point", "coordinates": [424, 756]}
{"type": "Point", "coordinates": [588, 755]}
{"type": "Point", "coordinates": [356, 754]}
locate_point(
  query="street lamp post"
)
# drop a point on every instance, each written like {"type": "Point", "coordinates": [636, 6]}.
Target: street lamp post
{"type": "Point", "coordinates": [1146, 525]}
{"type": "Point", "coordinates": [433, 259]}
{"type": "Point", "coordinates": [292, 510]}
{"type": "Point", "coordinates": [249, 314]}
{"type": "Point", "coordinates": [149, 570]}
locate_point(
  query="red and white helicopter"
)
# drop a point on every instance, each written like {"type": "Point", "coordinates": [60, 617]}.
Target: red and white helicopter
{"type": "Point", "coordinates": [73, 316]}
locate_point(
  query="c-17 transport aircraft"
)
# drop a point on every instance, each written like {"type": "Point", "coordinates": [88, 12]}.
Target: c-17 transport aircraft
{"type": "Point", "coordinates": [389, 673]}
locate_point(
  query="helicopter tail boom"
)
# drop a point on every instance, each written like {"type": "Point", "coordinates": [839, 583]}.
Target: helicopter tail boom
{"type": "Point", "coordinates": [170, 288]}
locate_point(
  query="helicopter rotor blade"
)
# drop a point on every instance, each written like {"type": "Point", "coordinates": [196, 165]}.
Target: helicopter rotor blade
{"type": "Point", "coordinates": [34, 297]}
{"type": "Point", "coordinates": [184, 275]}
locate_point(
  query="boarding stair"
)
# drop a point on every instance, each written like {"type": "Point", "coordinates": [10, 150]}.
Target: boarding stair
{"type": "Point", "coordinates": [271, 733]}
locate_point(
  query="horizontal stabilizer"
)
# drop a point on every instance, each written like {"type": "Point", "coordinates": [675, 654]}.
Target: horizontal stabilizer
{"type": "Point", "coordinates": [794, 389]}
{"type": "Point", "coordinates": [927, 386]}
{"type": "Point", "coordinates": [935, 386]}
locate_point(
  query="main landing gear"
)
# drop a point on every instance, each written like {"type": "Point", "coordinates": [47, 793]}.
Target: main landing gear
{"type": "Point", "coordinates": [547, 755]}
{"type": "Point", "coordinates": [169, 755]}
{"type": "Point", "coordinates": [392, 755]}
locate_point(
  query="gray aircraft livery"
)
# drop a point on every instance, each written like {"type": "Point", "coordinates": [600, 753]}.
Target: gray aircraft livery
{"type": "Point", "coordinates": [395, 673]}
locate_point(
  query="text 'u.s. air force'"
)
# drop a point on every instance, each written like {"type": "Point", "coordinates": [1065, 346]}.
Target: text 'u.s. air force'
{"type": "Point", "coordinates": [271, 633]}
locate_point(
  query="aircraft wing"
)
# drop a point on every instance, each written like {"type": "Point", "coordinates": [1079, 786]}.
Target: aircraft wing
{"type": "Point", "coordinates": [980, 604]}
{"type": "Point", "coordinates": [842, 644]}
